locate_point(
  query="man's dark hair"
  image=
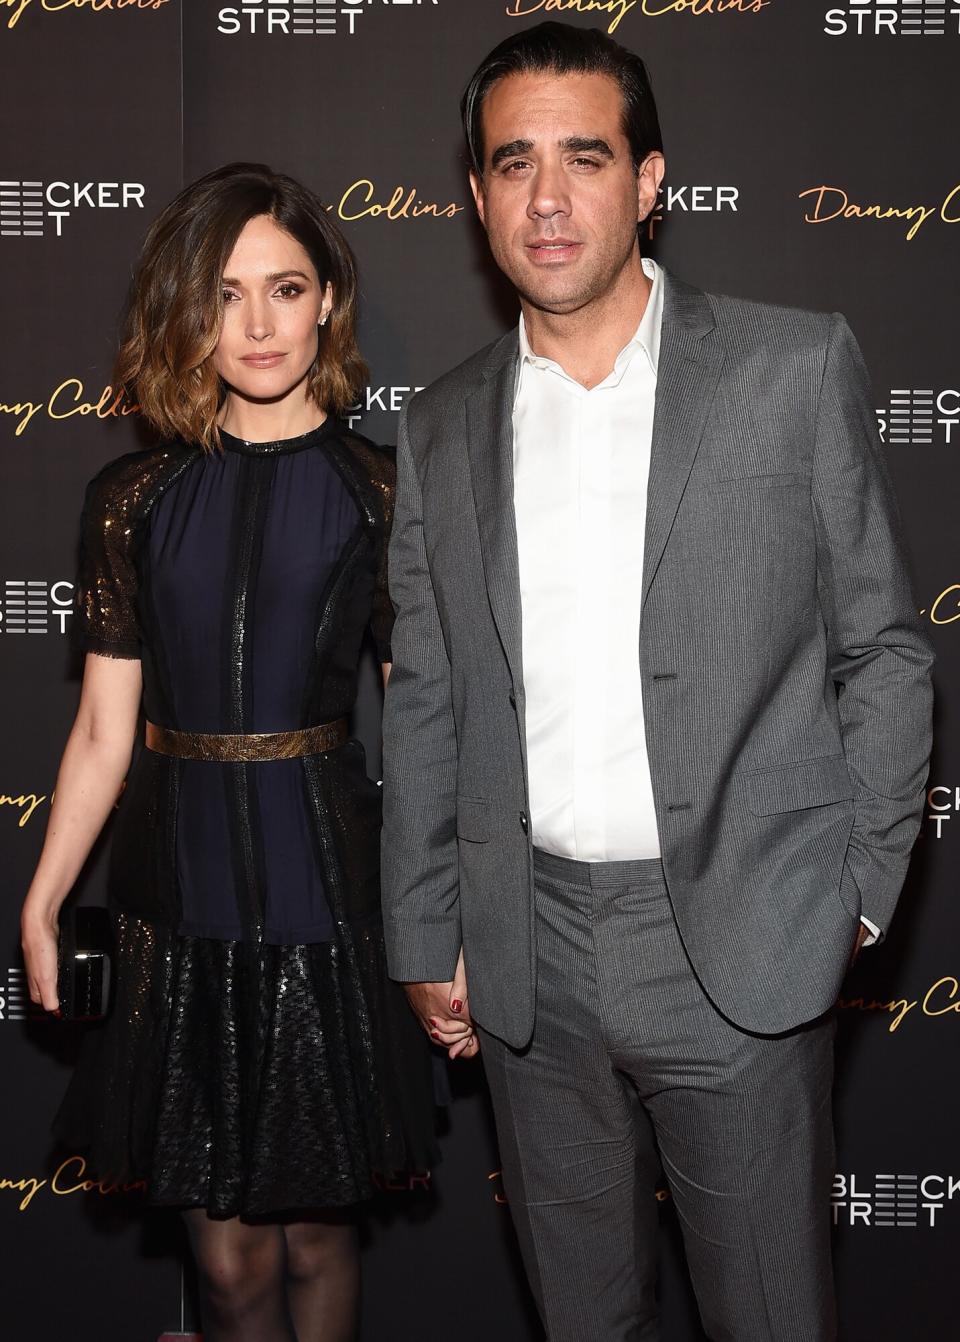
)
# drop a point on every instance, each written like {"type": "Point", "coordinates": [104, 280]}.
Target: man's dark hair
{"type": "Point", "coordinates": [566, 50]}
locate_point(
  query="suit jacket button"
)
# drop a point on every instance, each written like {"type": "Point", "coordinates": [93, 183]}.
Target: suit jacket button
{"type": "Point", "coordinates": [524, 822]}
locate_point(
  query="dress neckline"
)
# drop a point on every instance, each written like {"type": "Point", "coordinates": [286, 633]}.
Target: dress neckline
{"type": "Point", "coordinates": [280, 445]}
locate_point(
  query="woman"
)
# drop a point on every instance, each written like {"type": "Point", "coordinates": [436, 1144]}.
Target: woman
{"type": "Point", "coordinates": [257, 1068]}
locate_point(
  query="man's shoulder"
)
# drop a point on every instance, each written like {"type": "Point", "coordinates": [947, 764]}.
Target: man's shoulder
{"type": "Point", "coordinates": [447, 393]}
{"type": "Point", "coordinates": [778, 326]}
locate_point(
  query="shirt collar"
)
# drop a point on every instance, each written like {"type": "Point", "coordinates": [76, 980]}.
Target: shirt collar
{"type": "Point", "coordinates": [646, 336]}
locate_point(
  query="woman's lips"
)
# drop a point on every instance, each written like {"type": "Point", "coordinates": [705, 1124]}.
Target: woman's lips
{"type": "Point", "coordinates": [266, 360]}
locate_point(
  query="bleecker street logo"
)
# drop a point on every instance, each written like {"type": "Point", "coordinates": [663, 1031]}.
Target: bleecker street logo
{"type": "Point", "coordinates": [944, 805]}
{"type": "Point", "coordinates": [35, 606]}
{"type": "Point", "coordinates": [13, 10]}
{"type": "Point", "coordinates": [893, 18]}
{"type": "Point", "coordinates": [304, 18]}
{"type": "Point", "coordinates": [615, 11]}
{"type": "Point", "coordinates": [28, 209]}
{"type": "Point", "coordinates": [692, 200]}
{"type": "Point", "coordinates": [14, 1000]}
{"type": "Point", "coordinates": [390, 400]}
{"type": "Point", "coordinates": [21, 209]}
{"type": "Point", "coordinates": [920, 417]}
{"type": "Point", "coordinates": [896, 1201]}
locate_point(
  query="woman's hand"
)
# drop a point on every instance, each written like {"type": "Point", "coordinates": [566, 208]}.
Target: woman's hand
{"type": "Point", "coordinates": [443, 1011]}
{"type": "Point", "coordinates": [468, 1046]}
{"type": "Point", "coordinates": [39, 936]}
{"type": "Point", "coordinates": [91, 775]}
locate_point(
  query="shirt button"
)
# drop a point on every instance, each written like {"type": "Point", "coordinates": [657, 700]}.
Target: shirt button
{"type": "Point", "coordinates": [524, 822]}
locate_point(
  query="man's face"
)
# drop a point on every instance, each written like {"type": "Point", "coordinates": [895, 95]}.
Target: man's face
{"type": "Point", "coordinates": [559, 197]}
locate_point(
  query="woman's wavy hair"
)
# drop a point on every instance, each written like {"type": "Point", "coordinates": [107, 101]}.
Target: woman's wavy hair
{"type": "Point", "coordinates": [175, 312]}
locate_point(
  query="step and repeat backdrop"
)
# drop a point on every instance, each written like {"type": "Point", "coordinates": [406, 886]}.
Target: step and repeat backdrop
{"type": "Point", "coordinates": [812, 159]}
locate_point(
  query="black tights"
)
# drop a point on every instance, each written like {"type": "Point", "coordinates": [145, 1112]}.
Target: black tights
{"type": "Point", "coordinates": [297, 1281]}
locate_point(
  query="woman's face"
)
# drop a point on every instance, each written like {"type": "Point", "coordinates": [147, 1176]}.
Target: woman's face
{"type": "Point", "coordinates": [273, 303]}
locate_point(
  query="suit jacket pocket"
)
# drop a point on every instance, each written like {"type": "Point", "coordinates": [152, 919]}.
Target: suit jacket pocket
{"type": "Point", "coordinates": [797, 786]}
{"type": "Point", "coordinates": [473, 819]}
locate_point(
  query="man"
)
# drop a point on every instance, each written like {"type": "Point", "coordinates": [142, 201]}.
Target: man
{"type": "Point", "coordinates": [657, 728]}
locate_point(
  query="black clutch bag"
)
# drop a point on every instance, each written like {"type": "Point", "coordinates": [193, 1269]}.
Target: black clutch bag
{"type": "Point", "coordinates": [84, 963]}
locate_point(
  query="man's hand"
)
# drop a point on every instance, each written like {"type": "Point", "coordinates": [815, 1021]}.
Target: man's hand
{"type": "Point", "coordinates": [862, 933]}
{"type": "Point", "coordinates": [443, 1011]}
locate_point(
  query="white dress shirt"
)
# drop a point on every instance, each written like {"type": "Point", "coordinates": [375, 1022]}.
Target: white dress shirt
{"type": "Point", "coordinates": [581, 464]}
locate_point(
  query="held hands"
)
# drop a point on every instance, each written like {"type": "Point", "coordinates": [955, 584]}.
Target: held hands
{"type": "Point", "coordinates": [443, 1011]}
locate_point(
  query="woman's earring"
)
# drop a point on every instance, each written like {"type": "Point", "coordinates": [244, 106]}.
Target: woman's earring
{"type": "Point", "coordinates": [323, 319]}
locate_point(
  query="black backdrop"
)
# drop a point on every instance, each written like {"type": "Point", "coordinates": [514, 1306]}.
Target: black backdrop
{"type": "Point", "coordinates": [812, 159]}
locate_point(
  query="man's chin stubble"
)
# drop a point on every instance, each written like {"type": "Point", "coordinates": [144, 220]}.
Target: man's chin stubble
{"type": "Point", "coordinates": [557, 305]}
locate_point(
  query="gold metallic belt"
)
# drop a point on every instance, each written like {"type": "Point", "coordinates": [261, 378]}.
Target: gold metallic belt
{"type": "Point", "coordinates": [246, 749]}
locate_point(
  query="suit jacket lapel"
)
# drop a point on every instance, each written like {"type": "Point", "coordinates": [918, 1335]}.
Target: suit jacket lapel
{"type": "Point", "coordinates": [688, 370]}
{"type": "Point", "coordinates": [490, 451]}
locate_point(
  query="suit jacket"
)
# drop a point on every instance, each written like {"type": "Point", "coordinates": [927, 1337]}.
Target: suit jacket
{"type": "Point", "coordinates": [785, 678]}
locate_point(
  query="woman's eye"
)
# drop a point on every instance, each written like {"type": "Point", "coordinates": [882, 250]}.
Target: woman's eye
{"type": "Point", "coordinates": [289, 290]}
{"type": "Point", "coordinates": [229, 296]}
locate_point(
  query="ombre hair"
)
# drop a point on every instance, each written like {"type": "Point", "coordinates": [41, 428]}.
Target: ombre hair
{"type": "Point", "coordinates": [175, 313]}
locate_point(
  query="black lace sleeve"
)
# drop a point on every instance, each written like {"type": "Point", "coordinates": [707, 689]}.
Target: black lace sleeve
{"type": "Point", "coordinates": [107, 586]}
{"type": "Point", "coordinates": [115, 509]}
{"type": "Point", "coordinates": [381, 616]}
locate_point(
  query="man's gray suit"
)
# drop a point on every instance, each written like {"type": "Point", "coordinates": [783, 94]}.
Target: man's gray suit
{"type": "Point", "coordinates": [785, 678]}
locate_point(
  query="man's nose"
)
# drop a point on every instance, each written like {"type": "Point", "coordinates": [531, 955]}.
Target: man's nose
{"type": "Point", "coordinates": [549, 195]}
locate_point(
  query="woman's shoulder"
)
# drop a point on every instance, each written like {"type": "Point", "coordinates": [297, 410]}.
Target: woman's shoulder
{"type": "Point", "coordinates": [129, 485]}
{"type": "Point", "coordinates": [377, 459]}
{"type": "Point", "coordinates": [374, 471]}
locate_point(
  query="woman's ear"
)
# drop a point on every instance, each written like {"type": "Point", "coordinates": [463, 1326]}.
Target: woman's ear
{"type": "Point", "coordinates": [326, 306]}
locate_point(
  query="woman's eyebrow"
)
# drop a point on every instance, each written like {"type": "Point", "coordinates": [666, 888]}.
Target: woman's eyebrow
{"type": "Point", "coordinates": [272, 277]}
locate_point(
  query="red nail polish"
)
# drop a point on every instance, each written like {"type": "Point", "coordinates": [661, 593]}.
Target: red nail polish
{"type": "Point", "coordinates": [434, 1034]}
{"type": "Point", "coordinates": [456, 1005]}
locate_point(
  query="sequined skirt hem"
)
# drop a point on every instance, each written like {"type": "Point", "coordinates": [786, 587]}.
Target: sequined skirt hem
{"type": "Point", "coordinates": [252, 1079]}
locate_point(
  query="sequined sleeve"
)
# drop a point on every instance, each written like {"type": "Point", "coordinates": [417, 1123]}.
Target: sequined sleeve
{"type": "Point", "coordinates": [115, 509]}
{"type": "Point", "coordinates": [382, 615]}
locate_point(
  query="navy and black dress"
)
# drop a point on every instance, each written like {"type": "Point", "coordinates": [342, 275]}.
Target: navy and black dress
{"type": "Point", "coordinates": [256, 1059]}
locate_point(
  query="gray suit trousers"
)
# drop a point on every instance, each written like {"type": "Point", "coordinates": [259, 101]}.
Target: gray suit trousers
{"type": "Point", "coordinates": [631, 1066]}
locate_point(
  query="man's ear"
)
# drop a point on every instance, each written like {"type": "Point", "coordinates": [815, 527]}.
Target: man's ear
{"type": "Point", "coordinates": [648, 183]}
{"type": "Point", "coordinates": [476, 186]}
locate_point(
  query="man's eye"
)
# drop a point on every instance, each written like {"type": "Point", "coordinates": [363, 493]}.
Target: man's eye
{"type": "Point", "coordinates": [586, 162]}
{"type": "Point", "coordinates": [517, 164]}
